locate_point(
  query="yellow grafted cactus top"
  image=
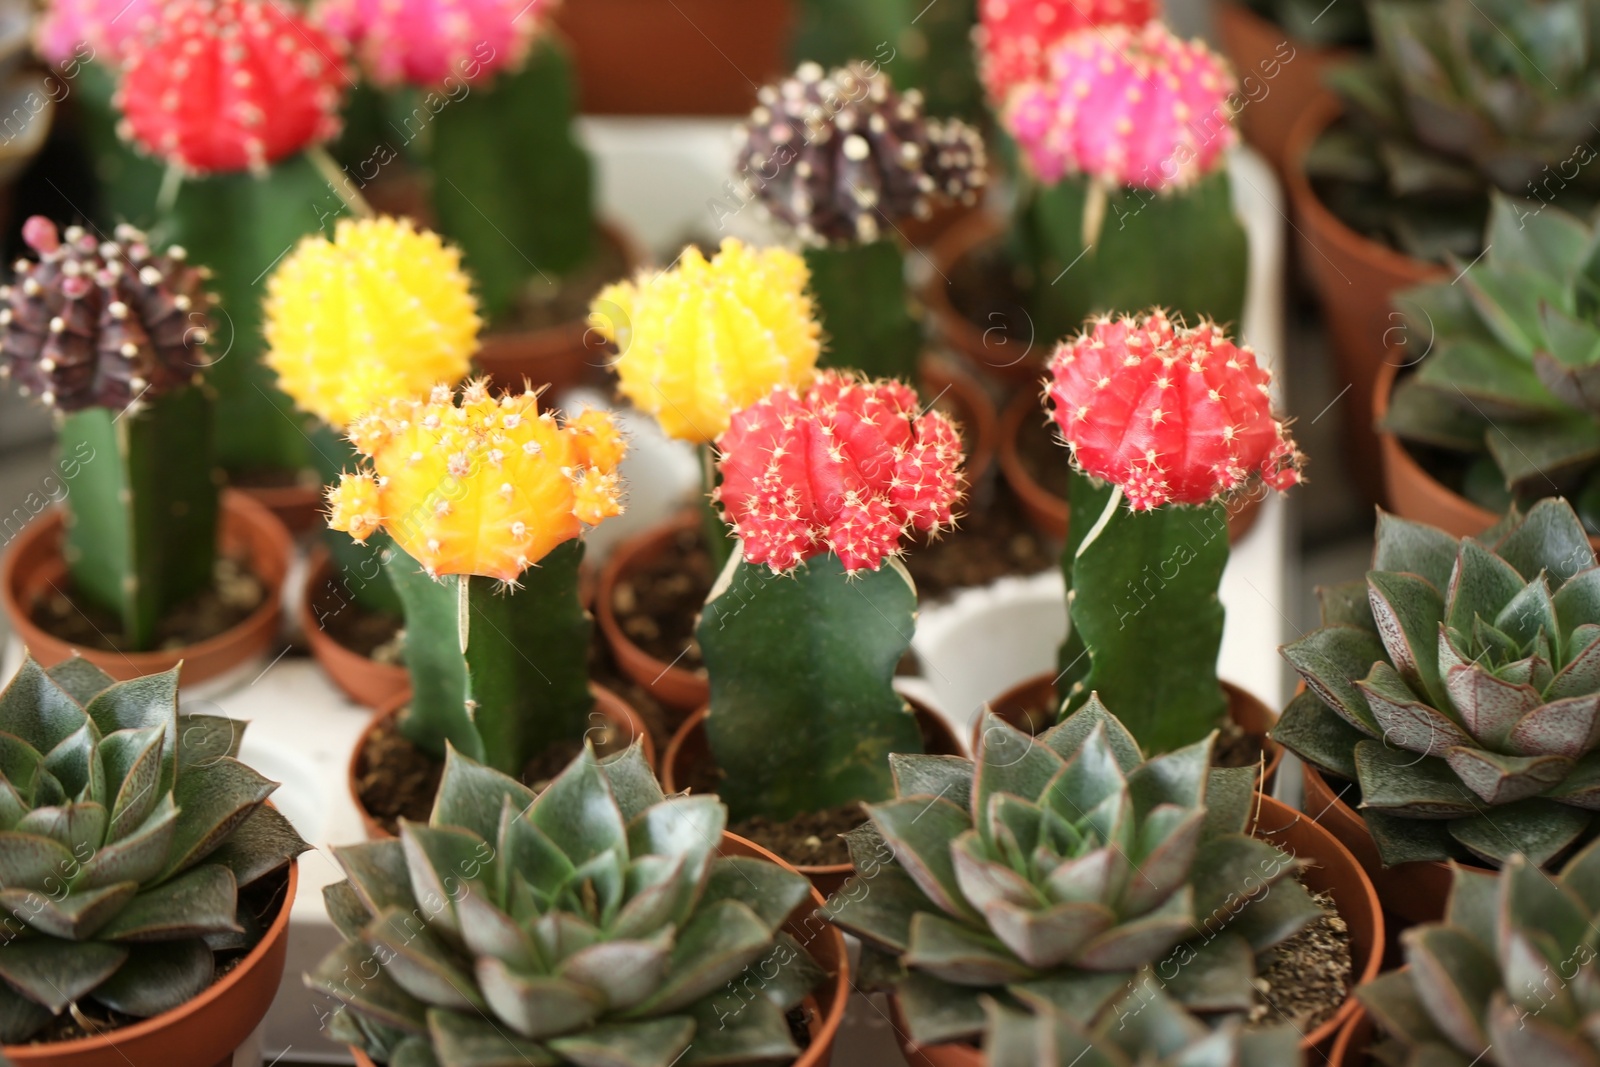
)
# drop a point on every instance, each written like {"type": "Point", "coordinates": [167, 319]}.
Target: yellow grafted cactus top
{"type": "Point", "coordinates": [489, 485]}
{"type": "Point", "coordinates": [383, 310]}
{"type": "Point", "coordinates": [705, 339]}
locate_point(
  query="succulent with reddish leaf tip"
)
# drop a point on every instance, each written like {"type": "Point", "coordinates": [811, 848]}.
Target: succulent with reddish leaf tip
{"type": "Point", "coordinates": [1506, 980]}
{"type": "Point", "coordinates": [1177, 422]}
{"type": "Point", "coordinates": [109, 334]}
{"type": "Point", "coordinates": [1015, 37]}
{"type": "Point", "coordinates": [228, 85]}
{"type": "Point", "coordinates": [128, 832]}
{"type": "Point", "coordinates": [1064, 871]}
{"type": "Point", "coordinates": [1458, 686]}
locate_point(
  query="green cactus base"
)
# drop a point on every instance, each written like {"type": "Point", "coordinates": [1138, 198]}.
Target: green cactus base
{"type": "Point", "coordinates": [500, 675]}
{"type": "Point", "coordinates": [1145, 623]}
{"type": "Point", "coordinates": [1184, 251]}
{"type": "Point", "coordinates": [512, 186]}
{"type": "Point", "coordinates": [142, 515]}
{"type": "Point", "coordinates": [803, 708]}
{"type": "Point", "coordinates": [861, 302]}
{"type": "Point", "coordinates": [357, 566]}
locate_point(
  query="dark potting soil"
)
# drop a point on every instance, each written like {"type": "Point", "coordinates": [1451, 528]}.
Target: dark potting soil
{"type": "Point", "coordinates": [556, 301]}
{"type": "Point", "coordinates": [377, 635]}
{"type": "Point", "coordinates": [397, 780]}
{"type": "Point", "coordinates": [89, 1018]}
{"type": "Point", "coordinates": [988, 543]}
{"type": "Point", "coordinates": [234, 595]}
{"type": "Point", "coordinates": [658, 603]}
{"type": "Point", "coordinates": [1304, 980]}
{"type": "Point", "coordinates": [604, 672]}
{"type": "Point", "coordinates": [1043, 455]}
{"type": "Point", "coordinates": [1234, 746]}
{"type": "Point", "coordinates": [985, 290]}
{"type": "Point", "coordinates": [273, 478]}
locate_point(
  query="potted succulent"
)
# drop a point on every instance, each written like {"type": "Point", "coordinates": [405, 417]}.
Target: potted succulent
{"type": "Point", "coordinates": [598, 922]}
{"type": "Point", "coordinates": [147, 894]}
{"type": "Point", "coordinates": [1065, 873]}
{"type": "Point", "coordinates": [382, 311]}
{"type": "Point", "coordinates": [147, 563]}
{"type": "Point", "coordinates": [1171, 433]}
{"type": "Point", "coordinates": [1455, 101]}
{"type": "Point", "coordinates": [1281, 50]}
{"type": "Point", "coordinates": [1443, 715]}
{"type": "Point", "coordinates": [480, 102]}
{"type": "Point", "coordinates": [484, 499]}
{"type": "Point", "coordinates": [807, 622]}
{"type": "Point", "coordinates": [1497, 407]}
{"type": "Point", "coordinates": [1504, 979]}
{"type": "Point", "coordinates": [1123, 197]}
{"type": "Point", "coordinates": [678, 362]}
{"type": "Point", "coordinates": [1144, 1028]}
{"type": "Point", "coordinates": [231, 121]}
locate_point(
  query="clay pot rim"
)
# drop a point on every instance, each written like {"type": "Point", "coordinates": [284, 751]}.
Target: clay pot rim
{"type": "Point", "coordinates": [49, 1053]}
{"type": "Point", "coordinates": [1358, 1028]}
{"type": "Point", "coordinates": [621, 561]}
{"type": "Point", "coordinates": [696, 721]}
{"type": "Point", "coordinates": [235, 503]}
{"type": "Point", "coordinates": [389, 709]}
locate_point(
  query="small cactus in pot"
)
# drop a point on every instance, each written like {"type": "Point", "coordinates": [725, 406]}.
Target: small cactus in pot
{"type": "Point", "coordinates": [485, 499]}
{"type": "Point", "coordinates": [1506, 979]}
{"type": "Point", "coordinates": [594, 924]}
{"type": "Point", "coordinates": [806, 623]}
{"type": "Point", "coordinates": [1453, 685]}
{"type": "Point", "coordinates": [1170, 429]}
{"type": "Point", "coordinates": [1126, 199]}
{"type": "Point", "coordinates": [129, 831]}
{"type": "Point", "coordinates": [842, 160]}
{"type": "Point", "coordinates": [110, 336]}
{"type": "Point", "coordinates": [1062, 872]}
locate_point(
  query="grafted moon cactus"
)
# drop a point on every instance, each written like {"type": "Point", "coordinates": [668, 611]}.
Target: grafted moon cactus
{"type": "Point", "coordinates": [111, 334]}
{"type": "Point", "coordinates": [1015, 37]}
{"type": "Point", "coordinates": [1177, 422]}
{"type": "Point", "coordinates": [427, 42]}
{"type": "Point", "coordinates": [1065, 870]}
{"type": "Point", "coordinates": [1459, 684]}
{"type": "Point", "coordinates": [485, 498]}
{"type": "Point", "coordinates": [230, 85]}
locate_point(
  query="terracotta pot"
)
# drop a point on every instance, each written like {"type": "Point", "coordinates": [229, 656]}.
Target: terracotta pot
{"type": "Point", "coordinates": [679, 689]}
{"type": "Point", "coordinates": [1329, 868]}
{"type": "Point", "coordinates": [689, 747]}
{"type": "Point", "coordinates": [1251, 715]}
{"type": "Point", "coordinates": [687, 57]}
{"type": "Point", "coordinates": [1280, 76]}
{"type": "Point", "coordinates": [989, 347]}
{"type": "Point", "coordinates": [558, 356]}
{"type": "Point", "coordinates": [1350, 1047]}
{"type": "Point", "coordinates": [298, 507]}
{"type": "Point", "coordinates": [35, 564]}
{"type": "Point", "coordinates": [363, 680]}
{"type": "Point", "coordinates": [825, 1007]}
{"type": "Point", "coordinates": [1415, 892]}
{"type": "Point", "coordinates": [1049, 513]}
{"type": "Point", "coordinates": [1355, 279]}
{"type": "Point", "coordinates": [612, 709]}
{"type": "Point", "coordinates": [203, 1031]}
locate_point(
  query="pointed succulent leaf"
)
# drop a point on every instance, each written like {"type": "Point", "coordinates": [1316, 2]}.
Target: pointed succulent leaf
{"type": "Point", "coordinates": [1528, 614]}
{"type": "Point", "coordinates": [1506, 779]}
{"type": "Point", "coordinates": [344, 907]}
{"type": "Point", "coordinates": [132, 761]}
{"type": "Point", "coordinates": [1539, 829]}
{"type": "Point", "coordinates": [633, 781]}
{"type": "Point", "coordinates": [1009, 761]}
{"type": "Point", "coordinates": [1489, 707]}
{"type": "Point", "coordinates": [1086, 779]}
{"type": "Point", "coordinates": [1481, 585]}
{"type": "Point", "coordinates": [879, 909]}
{"type": "Point", "coordinates": [1067, 736]}
{"type": "Point", "coordinates": [536, 1006]}
{"type": "Point", "coordinates": [1318, 735]}
{"type": "Point", "coordinates": [769, 891]}
{"type": "Point", "coordinates": [199, 901]}
{"type": "Point", "coordinates": [957, 953]}
{"type": "Point", "coordinates": [949, 777]}
{"type": "Point", "coordinates": [55, 973]}
{"type": "Point", "coordinates": [1473, 906]}
{"type": "Point", "coordinates": [1520, 1036]}
{"type": "Point", "coordinates": [140, 856]}
{"type": "Point", "coordinates": [752, 1032]}
{"type": "Point", "coordinates": [1168, 848]}
{"type": "Point", "coordinates": [718, 943]}
{"type": "Point", "coordinates": [626, 972]}
{"type": "Point", "coordinates": [527, 850]}
{"type": "Point", "coordinates": [36, 709]}
{"type": "Point", "coordinates": [1415, 548]}
{"type": "Point", "coordinates": [690, 826]}
{"type": "Point", "coordinates": [74, 764]}
{"type": "Point", "coordinates": [1454, 979]}
{"type": "Point", "coordinates": [212, 802]}
{"type": "Point", "coordinates": [350, 975]}
{"type": "Point", "coordinates": [1348, 604]}
{"type": "Point", "coordinates": [378, 874]}
{"type": "Point", "coordinates": [79, 678]}
{"type": "Point", "coordinates": [79, 828]}
{"type": "Point", "coordinates": [920, 832]}
{"type": "Point", "coordinates": [1331, 660]}
{"type": "Point", "coordinates": [470, 796]}
{"type": "Point", "coordinates": [29, 860]}
{"type": "Point", "coordinates": [1408, 610]}
{"type": "Point", "coordinates": [263, 843]}
{"type": "Point", "coordinates": [1569, 728]}
{"type": "Point", "coordinates": [1211, 973]}
{"type": "Point", "coordinates": [74, 916]}
{"type": "Point", "coordinates": [158, 977]}
{"type": "Point", "coordinates": [420, 962]}
{"type": "Point", "coordinates": [205, 739]}
{"type": "Point", "coordinates": [1406, 719]}
{"type": "Point", "coordinates": [1139, 941]}
{"type": "Point", "coordinates": [1088, 878]}
{"type": "Point", "coordinates": [578, 812]}
{"type": "Point", "coordinates": [1549, 538]}
{"type": "Point", "coordinates": [1419, 786]}
{"type": "Point", "coordinates": [462, 1040]}
{"type": "Point", "coordinates": [1047, 937]}
{"type": "Point", "coordinates": [651, 1043]}
{"type": "Point", "coordinates": [441, 862]}
{"type": "Point", "coordinates": [1177, 777]}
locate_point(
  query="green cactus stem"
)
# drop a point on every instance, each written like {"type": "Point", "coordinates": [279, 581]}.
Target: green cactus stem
{"type": "Point", "coordinates": [1144, 585]}
{"type": "Point", "coordinates": [718, 538]}
{"type": "Point", "coordinates": [357, 566]}
{"type": "Point", "coordinates": [512, 186]}
{"type": "Point", "coordinates": [500, 674]}
{"type": "Point", "coordinates": [861, 299]}
{"type": "Point", "coordinates": [142, 515]}
{"type": "Point", "coordinates": [803, 708]}
{"type": "Point", "coordinates": [1184, 251]}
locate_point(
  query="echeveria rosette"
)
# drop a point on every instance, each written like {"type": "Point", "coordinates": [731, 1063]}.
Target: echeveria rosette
{"type": "Point", "coordinates": [1015, 37]}
{"type": "Point", "coordinates": [807, 621]}
{"type": "Point", "coordinates": [1458, 687]}
{"type": "Point", "coordinates": [1177, 422]}
{"type": "Point", "coordinates": [1508, 384]}
{"type": "Point", "coordinates": [230, 85]}
{"type": "Point", "coordinates": [1506, 979]}
{"type": "Point", "coordinates": [485, 498]}
{"type": "Point", "coordinates": [1062, 872]}
{"type": "Point", "coordinates": [593, 924]}
{"type": "Point", "coordinates": [428, 42]}
{"type": "Point", "coordinates": [848, 467]}
{"type": "Point", "coordinates": [126, 833]}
